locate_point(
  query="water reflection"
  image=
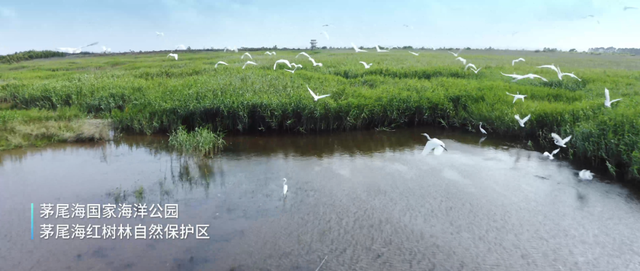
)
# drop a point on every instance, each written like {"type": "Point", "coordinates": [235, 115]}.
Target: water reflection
{"type": "Point", "coordinates": [366, 200]}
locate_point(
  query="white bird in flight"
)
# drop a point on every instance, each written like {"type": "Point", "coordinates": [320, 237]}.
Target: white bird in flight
{"type": "Point", "coordinates": [381, 51]}
{"type": "Point", "coordinates": [246, 54]}
{"type": "Point", "coordinates": [248, 62]}
{"type": "Point", "coordinates": [295, 67]}
{"type": "Point", "coordinates": [455, 54]}
{"type": "Point", "coordinates": [553, 67]}
{"type": "Point", "coordinates": [356, 48]}
{"type": "Point", "coordinates": [570, 75]}
{"type": "Point", "coordinates": [75, 50]}
{"type": "Point", "coordinates": [433, 144]}
{"type": "Point", "coordinates": [366, 66]}
{"type": "Point", "coordinates": [585, 174]}
{"type": "Point", "coordinates": [482, 130]}
{"type": "Point", "coordinates": [221, 62]}
{"type": "Point", "coordinates": [522, 121]}
{"type": "Point", "coordinates": [268, 53]}
{"type": "Point", "coordinates": [234, 49]}
{"type": "Point", "coordinates": [550, 155]}
{"type": "Point", "coordinates": [415, 54]}
{"type": "Point", "coordinates": [470, 65]}
{"type": "Point", "coordinates": [314, 62]}
{"type": "Point", "coordinates": [464, 61]}
{"type": "Point", "coordinates": [516, 60]}
{"type": "Point", "coordinates": [159, 33]}
{"type": "Point", "coordinates": [285, 188]}
{"type": "Point", "coordinates": [519, 77]}
{"type": "Point", "coordinates": [607, 99]}
{"type": "Point", "coordinates": [304, 54]}
{"type": "Point", "coordinates": [325, 34]}
{"type": "Point", "coordinates": [517, 96]}
{"type": "Point", "coordinates": [281, 61]}
{"type": "Point", "coordinates": [173, 55]}
{"type": "Point", "coordinates": [559, 141]}
{"type": "Point", "coordinates": [476, 71]}
{"type": "Point", "coordinates": [316, 97]}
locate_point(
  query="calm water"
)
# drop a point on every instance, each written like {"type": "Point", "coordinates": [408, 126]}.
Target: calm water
{"type": "Point", "coordinates": [365, 201]}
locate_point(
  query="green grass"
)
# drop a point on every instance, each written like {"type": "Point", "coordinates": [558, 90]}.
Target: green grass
{"type": "Point", "coordinates": [37, 127]}
{"type": "Point", "coordinates": [150, 93]}
{"type": "Point", "coordinates": [201, 141]}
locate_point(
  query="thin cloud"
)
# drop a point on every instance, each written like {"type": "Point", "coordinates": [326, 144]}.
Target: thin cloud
{"type": "Point", "coordinates": [7, 13]}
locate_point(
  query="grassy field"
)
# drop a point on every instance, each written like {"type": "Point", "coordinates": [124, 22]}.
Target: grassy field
{"type": "Point", "coordinates": [153, 94]}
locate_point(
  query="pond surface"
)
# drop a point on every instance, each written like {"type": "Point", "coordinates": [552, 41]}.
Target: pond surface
{"type": "Point", "coordinates": [364, 200]}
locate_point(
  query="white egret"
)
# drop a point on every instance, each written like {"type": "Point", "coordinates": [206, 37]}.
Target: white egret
{"type": "Point", "coordinates": [381, 51]}
{"type": "Point", "coordinates": [159, 34]}
{"type": "Point", "coordinates": [415, 54]}
{"type": "Point", "coordinates": [559, 141]}
{"type": "Point", "coordinates": [470, 65]}
{"type": "Point", "coordinates": [267, 53]}
{"type": "Point", "coordinates": [248, 62]}
{"type": "Point", "coordinates": [365, 64]}
{"type": "Point", "coordinates": [516, 60]}
{"type": "Point", "coordinates": [281, 61]}
{"type": "Point", "coordinates": [456, 54]}
{"type": "Point", "coordinates": [285, 188]}
{"type": "Point", "coordinates": [433, 144]}
{"type": "Point", "coordinates": [476, 71]}
{"type": "Point", "coordinates": [482, 130]}
{"type": "Point", "coordinates": [570, 75]}
{"type": "Point", "coordinates": [75, 50]}
{"type": "Point", "coordinates": [520, 77]}
{"type": "Point", "coordinates": [314, 62]}
{"type": "Point", "coordinates": [273, 52]}
{"type": "Point", "coordinates": [522, 121]}
{"type": "Point", "coordinates": [316, 97]}
{"type": "Point", "coordinates": [295, 67]}
{"type": "Point", "coordinates": [585, 174]}
{"type": "Point", "coordinates": [553, 67]}
{"type": "Point", "coordinates": [325, 34]}
{"type": "Point", "coordinates": [464, 61]}
{"type": "Point", "coordinates": [234, 49]}
{"type": "Point", "coordinates": [607, 99]}
{"type": "Point", "coordinates": [356, 48]}
{"type": "Point", "coordinates": [550, 155]}
{"type": "Point", "coordinates": [246, 54]}
{"type": "Point", "coordinates": [517, 96]}
{"type": "Point", "coordinates": [173, 55]}
{"type": "Point", "coordinates": [221, 62]}
{"type": "Point", "coordinates": [304, 54]}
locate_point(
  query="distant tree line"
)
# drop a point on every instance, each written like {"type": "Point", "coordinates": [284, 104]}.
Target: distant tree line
{"type": "Point", "coordinates": [29, 55]}
{"type": "Point", "coordinates": [613, 50]}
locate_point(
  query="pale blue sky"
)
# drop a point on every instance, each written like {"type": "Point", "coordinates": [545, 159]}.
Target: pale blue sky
{"type": "Point", "coordinates": [126, 24]}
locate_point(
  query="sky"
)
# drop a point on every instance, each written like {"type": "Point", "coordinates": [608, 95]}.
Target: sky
{"type": "Point", "coordinates": [124, 25]}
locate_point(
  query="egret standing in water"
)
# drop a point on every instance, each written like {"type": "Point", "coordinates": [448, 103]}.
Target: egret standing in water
{"type": "Point", "coordinates": [434, 144]}
{"type": "Point", "coordinates": [482, 130]}
{"type": "Point", "coordinates": [285, 188]}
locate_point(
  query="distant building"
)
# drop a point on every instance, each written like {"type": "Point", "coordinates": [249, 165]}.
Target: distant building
{"type": "Point", "coordinates": [313, 44]}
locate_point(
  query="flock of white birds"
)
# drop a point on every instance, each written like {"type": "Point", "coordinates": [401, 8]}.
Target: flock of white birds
{"type": "Point", "coordinates": [433, 144]}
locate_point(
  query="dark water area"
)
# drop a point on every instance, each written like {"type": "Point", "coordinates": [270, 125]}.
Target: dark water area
{"type": "Point", "coordinates": [364, 200]}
